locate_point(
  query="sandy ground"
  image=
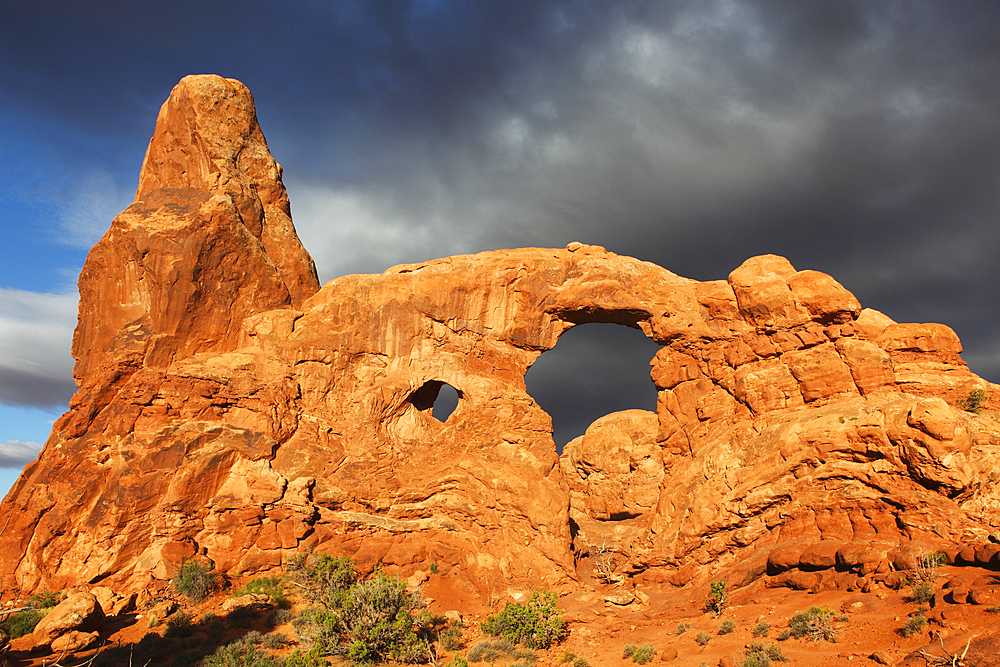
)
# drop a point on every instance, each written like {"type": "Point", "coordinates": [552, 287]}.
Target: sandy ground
{"type": "Point", "coordinates": [869, 627]}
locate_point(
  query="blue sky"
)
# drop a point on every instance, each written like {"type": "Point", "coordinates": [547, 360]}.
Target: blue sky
{"type": "Point", "coordinates": [860, 139]}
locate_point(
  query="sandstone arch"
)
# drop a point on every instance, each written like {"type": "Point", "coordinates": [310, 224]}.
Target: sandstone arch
{"type": "Point", "coordinates": [786, 414]}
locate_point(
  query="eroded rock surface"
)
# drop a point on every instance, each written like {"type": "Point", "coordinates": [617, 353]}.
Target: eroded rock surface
{"type": "Point", "coordinates": [229, 408]}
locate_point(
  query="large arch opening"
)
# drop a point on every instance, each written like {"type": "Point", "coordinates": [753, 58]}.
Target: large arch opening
{"type": "Point", "coordinates": [594, 370]}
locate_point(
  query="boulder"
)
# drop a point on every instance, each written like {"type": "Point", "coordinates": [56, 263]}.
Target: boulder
{"type": "Point", "coordinates": [79, 612]}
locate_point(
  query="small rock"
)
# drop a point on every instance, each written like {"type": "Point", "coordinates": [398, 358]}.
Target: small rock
{"type": "Point", "coordinates": [726, 661]}
{"type": "Point", "coordinates": [163, 609]}
{"type": "Point", "coordinates": [414, 580]}
{"type": "Point", "coordinates": [453, 615]}
{"type": "Point", "coordinates": [979, 596]}
{"type": "Point", "coordinates": [668, 654]}
{"type": "Point", "coordinates": [621, 598]}
{"type": "Point", "coordinates": [123, 605]}
{"type": "Point", "coordinates": [248, 600]}
{"type": "Point", "coordinates": [74, 641]}
{"type": "Point", "coordinates": [880, 657]}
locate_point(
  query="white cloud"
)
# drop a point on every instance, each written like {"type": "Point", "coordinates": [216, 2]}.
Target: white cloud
{"type": "Point", "coordinates": [88, 205]}
{"type": "Point", "coordinates": [17, 454]}
{"type": "Point", "coordinates": [37, 332]}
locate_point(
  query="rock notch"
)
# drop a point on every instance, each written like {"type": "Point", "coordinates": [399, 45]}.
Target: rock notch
{"type": "Point", "coordinates": [230, 408]}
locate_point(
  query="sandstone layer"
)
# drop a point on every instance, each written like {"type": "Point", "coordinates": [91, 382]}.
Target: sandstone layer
{"type": "Point", "coordinates": [231, 409]}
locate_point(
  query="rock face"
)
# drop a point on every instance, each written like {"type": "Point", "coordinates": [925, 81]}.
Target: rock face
{"type": "Point", "coordinates": [229, 408]}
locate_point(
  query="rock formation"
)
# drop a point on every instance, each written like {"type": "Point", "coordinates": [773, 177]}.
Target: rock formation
{"type": "Point", "coordinates": [231, 409]}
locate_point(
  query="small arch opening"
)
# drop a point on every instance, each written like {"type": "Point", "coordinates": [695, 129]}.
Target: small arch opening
{"type": "Point", "coordinates": [436, 399]}
{"type": "Point", "coordinates": [594, 370]}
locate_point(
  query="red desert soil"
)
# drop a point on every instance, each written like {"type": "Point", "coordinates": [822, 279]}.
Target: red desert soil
{"type": "Point", "coordinates": [869, 625]}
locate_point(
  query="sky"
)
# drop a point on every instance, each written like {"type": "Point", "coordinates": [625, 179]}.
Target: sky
{"type": "Point", "coordinates": [861, 139]}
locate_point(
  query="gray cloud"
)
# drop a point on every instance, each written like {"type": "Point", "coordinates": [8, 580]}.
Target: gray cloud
{"type": "Point", "coordinates": [35, 363]}
{"type": "Point", "coordinates": [859, 139]}
{"type": "Point", "coordinates": [16, 454]}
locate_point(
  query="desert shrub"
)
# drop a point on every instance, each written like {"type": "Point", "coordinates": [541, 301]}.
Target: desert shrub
{"type": "Point", "coordinates": [718, 597]}
{"type": "Point", "coordinates": [784, 635]}
{"type": "Point", "coordinates": [457, 661]}
{"type": "Point", "coordinates": [195, 580]}
{"type": "Point", "coordinates": [702, 638]}
{"type": "Point", "coordinates": [451, 637]}
{"type": "Point", "coordinates": [629, 650]}
{"type": "Point", "coordinates": [683, 627]}
{"type": "Point", "coordinates": [240, 653]}
{"type": "Point", "coordinates": [309, 659]}
{"type": "Point", "coordinates": [759, 655]}
{"type": "Point", "coordinates": [368, 621]}
{"type": "Point", "coordinates": [914, 624]}
{"type": "Point", "coordinates": [279, 616]}
{"type": "Point", "coordinates": [324, 579]}
{"type": "Point", "coordinates": [922, 593]}
{"type": "Point", "coordinates": [45, 600]}
{"type": "Point", "coordinates": [580, 662]}
{"type": "Point", "coordinates": [275, 640]}
{"type": "Point", "coordinates": [242, 617]}
{"type": "Point", "coordinates": [762, 629]}
{"type": "Point", "coordinates": [817, 624]}
{"type": "Point", "coordinates": [537, 624]}
{"type": "Point", "coordinates": [973, 402]}
{"type": "Point", "coordinates": [152, 621]}
{"type": "Point", "coordinates": [642, 654]}
{"type": "Point", "coordinates": [491, 650]}
{"type": "Point", "coordinates": [727, 626]}
{"type": "Point", "coordinates": [189, 657]}
{"type": "Point", "coordinates": [22, 623]}
{"type": "Point", "coordinates": [273, 587]}
{"type": "Point", "coordinates": [179, 625]}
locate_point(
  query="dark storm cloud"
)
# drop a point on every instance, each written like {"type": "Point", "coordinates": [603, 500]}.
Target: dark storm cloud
{"type": "Point", "coordinates": [860, 139]}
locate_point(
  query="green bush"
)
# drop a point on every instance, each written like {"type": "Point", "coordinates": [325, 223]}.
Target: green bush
{"type": "Point", "coordinates": [273, 587]}
{"type": "Point", "coordinates": [643, 654]}
{"type": "Point", "coordinates": [974, 401]}
{"type": "Point", "coordinates": [179, 625]}
{"type": "Point", "coordinates": [914, 624]}
{"type": "Point", "coordinates": [817, 624]}
{"type": "Point", "coordinates": [491, 650]}
{"type": "Point", "coordinates": [451, 637]}
{"type": "Point", "coordinates": [310, 659]}
{"type": "Point", "coordinates": [922, 593]}
{"type": "Point", "coordinates": [537, 624]}
{"type": "Point", "coordinates": [45, 600]}
{"type": "Point", "coordinates": [324, 579]}
{"type": "Point", "coordinates": [22, 623]}
{"type": "Point", "coordinates": [727, 626]}
{"type": "Point", "coordinates": [366, 621]}
{"type": "Point", "coordinates": [568, 657]}
{"type": "Point", "coordinates": [240, 653]}
{"type": "Point", "coordinates": [759, 655]}
{"type": "Point", "coordinates": [718, 598]}
{"type": "Point", "coordinates": [702, 638]}
{"type": "Point", "coordinates": [762, 629]}
{"type": "Point", "coordinates": [195, 580]}
{"type": "Point", "coordinates": [683, 627]}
